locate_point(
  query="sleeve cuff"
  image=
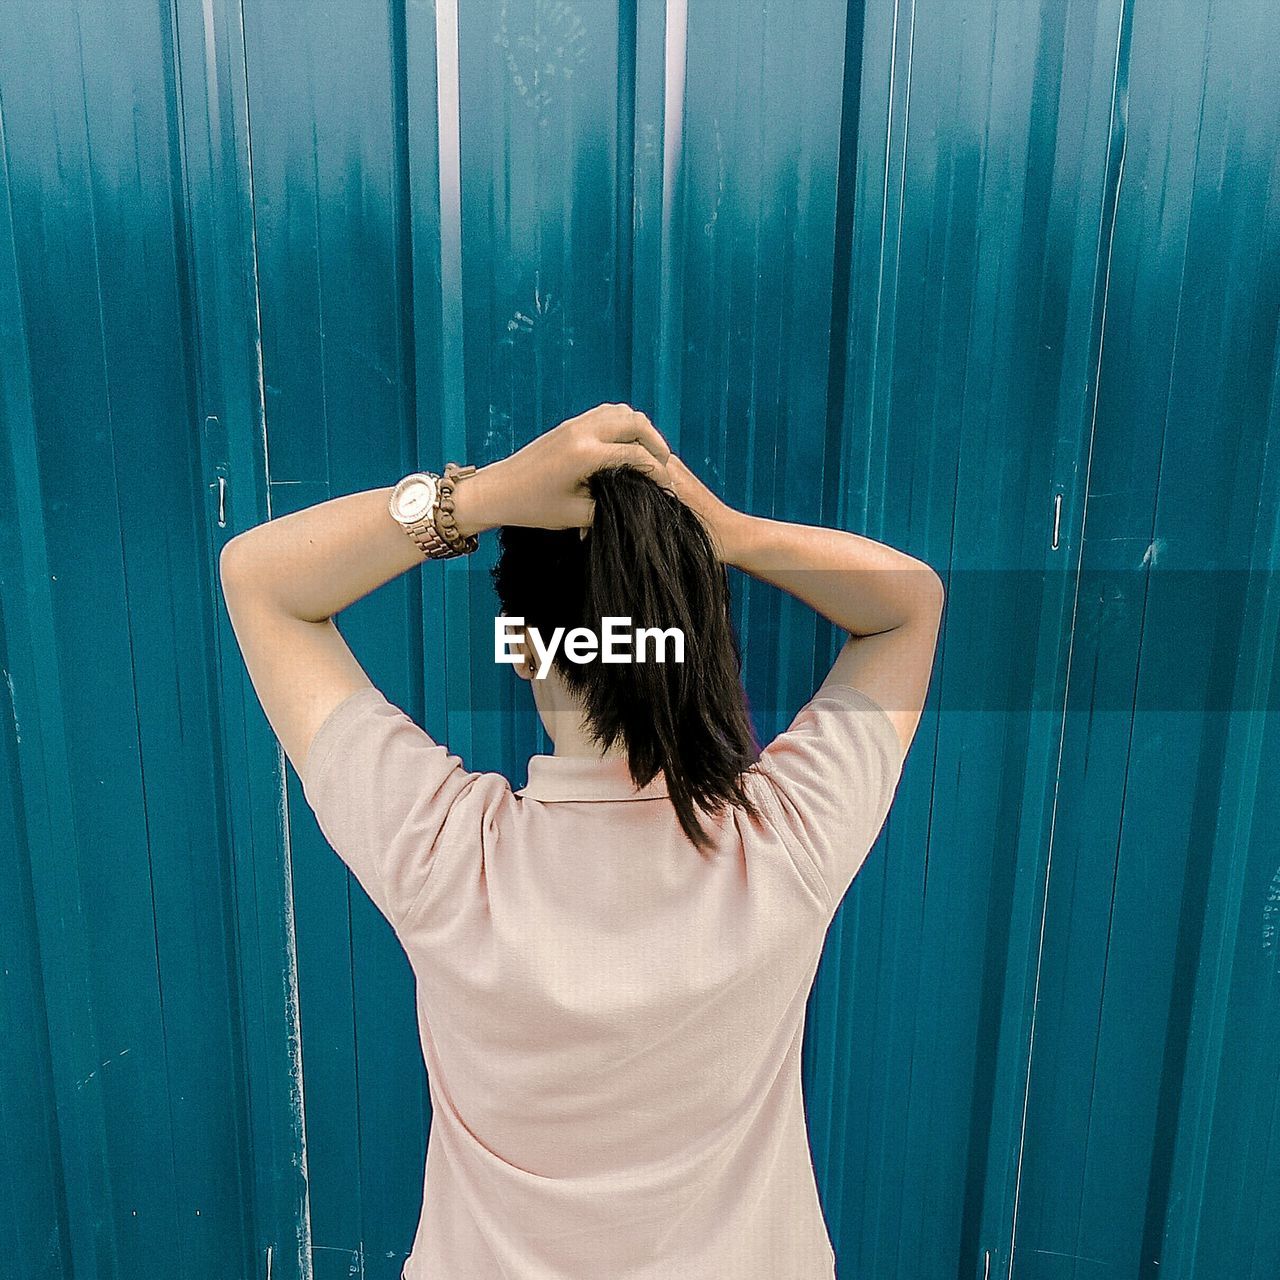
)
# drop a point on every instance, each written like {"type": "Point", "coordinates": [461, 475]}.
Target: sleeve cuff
{"type": "Point", "coordinates": [328, 734]}
{"type": "Point", "coordinates": [881, 725]}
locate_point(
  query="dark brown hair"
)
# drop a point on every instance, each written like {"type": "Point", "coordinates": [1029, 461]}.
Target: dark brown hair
{"type": "Point", "coordinates": [646, 556]}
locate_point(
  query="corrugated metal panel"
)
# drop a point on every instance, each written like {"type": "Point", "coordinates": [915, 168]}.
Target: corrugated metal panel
{"type": "Point", "coordinates": [997, 284]}
{"type": "Point", "coordinates": [110, 662]}
{"type": "Point", "coordinates": [1166, 757]}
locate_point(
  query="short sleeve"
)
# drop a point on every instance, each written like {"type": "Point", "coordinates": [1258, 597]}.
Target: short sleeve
{"type": "Point", "coordinates": [831, 777]}
{"type": "Point", "coordinates": [381, 790]}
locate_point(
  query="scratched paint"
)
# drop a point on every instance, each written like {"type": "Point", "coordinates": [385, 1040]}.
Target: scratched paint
{"type": "Point", "coordinates": [292, 1012]}
{"type": "Point", "coordinates": [106, 1062]}
{"type": "Point", "coordinates": [1271, 920]}
{"type": "Point", "coordinates": [13, 710]}
{"type": "Point", "coordinates": [544, 45]}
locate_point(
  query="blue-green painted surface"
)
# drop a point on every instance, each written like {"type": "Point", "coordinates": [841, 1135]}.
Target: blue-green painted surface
{"type": "Point", "coordinates": [996, 282]}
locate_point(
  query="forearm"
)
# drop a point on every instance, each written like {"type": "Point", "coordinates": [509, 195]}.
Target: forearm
{"type": "Point", "coordinates": [861, 585]}
{"type": "Point", "coordinates": [315, 562]}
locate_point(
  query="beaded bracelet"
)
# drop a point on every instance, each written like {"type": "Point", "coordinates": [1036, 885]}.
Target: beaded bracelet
{"type": "Point", "coordinates": [445, 523]}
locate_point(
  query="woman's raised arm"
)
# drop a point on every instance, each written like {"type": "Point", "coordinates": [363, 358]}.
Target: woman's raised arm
{"type": "Point", "coordinates": [890, 603]}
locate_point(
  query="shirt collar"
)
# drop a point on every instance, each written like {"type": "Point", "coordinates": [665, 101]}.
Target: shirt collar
{"type": "Point", "coordinates": [586, 778]}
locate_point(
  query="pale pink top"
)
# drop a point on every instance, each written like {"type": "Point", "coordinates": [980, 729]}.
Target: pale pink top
{"type": "Point", "coordinates": [611, 1020]}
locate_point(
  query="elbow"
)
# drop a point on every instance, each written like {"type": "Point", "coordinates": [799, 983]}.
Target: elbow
{"type": "Point", "coordinates": [247, 571]}
{"type": "Point", "coordinates": [235, 562]}
{"type": "Point", "coordinates": [937, 591]}
{"type": "Point", "coordinates": [930, 593]}
{"type": "Point", "coordinates": [229, 559]}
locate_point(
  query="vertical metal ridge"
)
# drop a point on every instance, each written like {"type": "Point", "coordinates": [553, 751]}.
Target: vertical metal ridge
{"type": "Point", "coordinates": [453, 404]}
{"type": "Point", "coordinates": [624, 257]}
{"type": "Point", "coordinates": [670, 360]}
{"type": "Point", "coordinates": [1245, 781]}
{"type": "Point", "coordinates": [292, 1010]}
{"type": "Point", "coordinates": [43, 793]}
{"type": "Point", "coordinates": [211, 76]}
{"type": "Point", "coordinates": [834, 496]}
{"type": "Point", "coordinates": [449, 143]}
{"type": "Point", "coordinates": [254, 275]}
{"type": "Point", "coordinates": [1117, 133]}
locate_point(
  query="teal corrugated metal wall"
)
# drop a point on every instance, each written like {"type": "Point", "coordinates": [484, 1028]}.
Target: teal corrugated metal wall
{"type": "Point", "coordinates": [998, 282]}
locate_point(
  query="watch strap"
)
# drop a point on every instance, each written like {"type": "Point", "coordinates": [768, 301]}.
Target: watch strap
{"type": "Point", "coordinates": [428, 540]}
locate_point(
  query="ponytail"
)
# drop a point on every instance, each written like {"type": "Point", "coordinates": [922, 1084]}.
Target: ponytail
{"type": "Point", "coordinates": [648, 557]}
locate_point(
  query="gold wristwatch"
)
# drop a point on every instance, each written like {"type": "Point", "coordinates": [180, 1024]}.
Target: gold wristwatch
{"type": "Point", "coordinates": [422, 504]}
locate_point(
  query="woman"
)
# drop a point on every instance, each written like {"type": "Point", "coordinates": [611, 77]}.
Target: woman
{"type": "Point", "coordinates": [613, 961]}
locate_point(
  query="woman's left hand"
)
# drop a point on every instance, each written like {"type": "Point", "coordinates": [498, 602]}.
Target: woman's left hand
{"type": "Point", "coordinates": [543, 485]}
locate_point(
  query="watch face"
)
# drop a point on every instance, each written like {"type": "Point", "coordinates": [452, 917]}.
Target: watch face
{"type": "Point", "coordinates": [414, 499]}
